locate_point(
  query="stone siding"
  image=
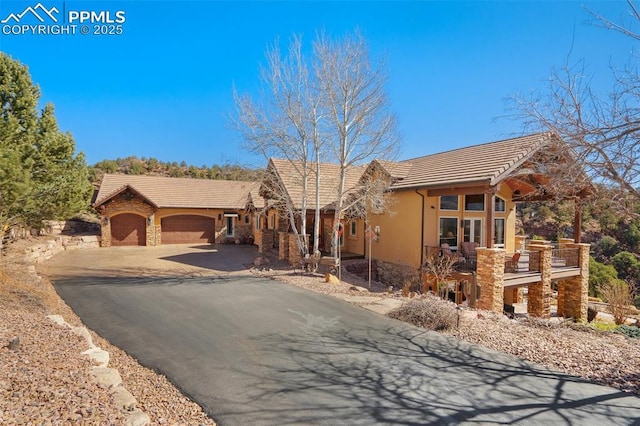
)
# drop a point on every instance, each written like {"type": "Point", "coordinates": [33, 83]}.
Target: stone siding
{"type": "Point", "coordinates": [490, 278]}
{"type": "Point", "coordinates": [283, 245]}
{"type": "Point", "coordinates": [539, 297]}
{"type": "Point", "coordinates": [576, 289]}
{"type": "Point", "coordinates": [265, 239]}
{"type": "Point", "coordinates": [126, 204]}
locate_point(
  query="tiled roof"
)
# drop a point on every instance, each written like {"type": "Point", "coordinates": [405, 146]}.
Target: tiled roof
{"type": "Point", "coordinates": [183, 192]}
{"type": "Point", "coordinates": [330, 174]}
{"type": "Point", "coordinates": [397, 170]}
{"type": "Point", "coordinates": [487, 163]}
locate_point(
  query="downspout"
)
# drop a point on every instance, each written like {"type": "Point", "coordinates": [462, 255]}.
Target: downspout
{"type": "Point", "coordinates": [421, 230]}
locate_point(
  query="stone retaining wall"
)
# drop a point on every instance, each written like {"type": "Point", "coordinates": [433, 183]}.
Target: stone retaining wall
{"type": "Point", "coordinates": [44, 251]}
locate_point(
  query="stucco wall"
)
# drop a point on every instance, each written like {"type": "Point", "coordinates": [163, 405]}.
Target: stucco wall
{"type": "Point", "coordinates": [400, 239]}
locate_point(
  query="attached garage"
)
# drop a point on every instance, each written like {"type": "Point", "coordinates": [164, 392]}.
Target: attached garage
{"type": "Point", "coordinates": [187, 229]}
{"type": "Point", "coordinates": [128, 229]}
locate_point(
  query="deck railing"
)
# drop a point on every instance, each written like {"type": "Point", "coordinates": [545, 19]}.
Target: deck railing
{"type": "Point", "coordinates": [461, 263]}
{"type": "Point", "coordinates": [527, 261]}
{"type": "Point", "coordinates": [565, 258]}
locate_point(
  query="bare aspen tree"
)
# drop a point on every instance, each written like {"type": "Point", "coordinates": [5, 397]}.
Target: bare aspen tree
{"type": "Point", "coordinates": [286, 124]}
{"type": "Point", "coordinates": [329, 107]}
{"type": "Point", "coordinates": [601, 130]}
{"type": "Point", "coordinates": [359, 125]}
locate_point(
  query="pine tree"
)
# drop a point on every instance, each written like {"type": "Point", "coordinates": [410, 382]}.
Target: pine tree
{"type": "Point", "coordinates": [41, 177]}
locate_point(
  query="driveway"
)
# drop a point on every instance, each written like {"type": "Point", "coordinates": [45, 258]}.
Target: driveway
{"type": "Point", "coordinates": [255, 351]}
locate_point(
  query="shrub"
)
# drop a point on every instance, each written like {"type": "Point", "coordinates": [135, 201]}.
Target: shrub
{"type": "Point", "coordinates": [599, 275]}
{"type": "Point", "coordinates": [429, 312]}
{"type": "Point", "coordinates": [629, 331]}
{"type": "Point", "coordinates": [619, 295]}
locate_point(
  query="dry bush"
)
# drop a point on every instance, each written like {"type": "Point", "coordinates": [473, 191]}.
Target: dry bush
{"type": "Point", "coordinates": [619, 295]}
{"type": "Point", "coordinates": [19, 288]}
{"type": "Point", "coordinates": [429, 312]}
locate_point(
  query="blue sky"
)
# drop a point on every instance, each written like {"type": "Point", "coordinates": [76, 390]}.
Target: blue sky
{"type": "Point", "coordinates": [163, 88]}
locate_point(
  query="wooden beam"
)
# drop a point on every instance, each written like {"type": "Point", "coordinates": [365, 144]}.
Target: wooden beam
{"type": "Point", "coordinates": [489, 225]}
{"type": "Point", "coordinates": [468, 190]}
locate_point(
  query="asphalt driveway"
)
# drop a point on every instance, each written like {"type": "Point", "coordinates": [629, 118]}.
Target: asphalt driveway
{"type": "Point", "coordinates": [256, 351]}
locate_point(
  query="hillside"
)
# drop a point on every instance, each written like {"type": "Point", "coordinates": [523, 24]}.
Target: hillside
{"type": "Point", "coordinates": [151, 166]}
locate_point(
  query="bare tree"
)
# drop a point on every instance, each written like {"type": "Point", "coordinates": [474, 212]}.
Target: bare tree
{"type": "Point", "coordinates": [328, 107]}
{"type": "Point", "coordinates": [360, 127]}
{"type": "Point", "coordinates": [286, 124]}
{"type": "Point", "coordinates": [601, 131]}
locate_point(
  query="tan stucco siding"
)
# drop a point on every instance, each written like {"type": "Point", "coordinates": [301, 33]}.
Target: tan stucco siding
{"type": "Point", "coordinates": [354, 243]}
{"type": "Point", "coordinates": [399, 239]}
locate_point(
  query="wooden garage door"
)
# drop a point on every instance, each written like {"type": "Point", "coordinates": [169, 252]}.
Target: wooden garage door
{"type": "Point", "coordinates": [128, 230]}
{"type": "Point", "coordinates": [183, 229]}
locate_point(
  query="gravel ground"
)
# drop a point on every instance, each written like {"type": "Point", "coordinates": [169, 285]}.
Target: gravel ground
{"type": "Point", "coordinates": [47, 380]}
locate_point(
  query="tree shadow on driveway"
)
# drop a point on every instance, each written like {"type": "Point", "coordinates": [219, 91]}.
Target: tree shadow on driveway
{"type": "Point", "coordinates": [402, 375]}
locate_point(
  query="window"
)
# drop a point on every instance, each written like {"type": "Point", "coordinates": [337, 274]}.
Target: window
{"type": "Point", "coordinates": [472, 229]}
{"type": "Point", "coordinates": [246, 218]}
{"type": "Point", "coordinates": [230, 222]}
{"type": "Point", "coordinates": [500, 205]}
{"type": "Point", "coordinates": [449, 202]}
{"type": "Point", "coordinates": [498, 231]}
{"type": "Point", "coordinates": [258, 220]}
{"type": "Point", "coordinates": [272, 221]}
{"type": "Point", "coordinates": [474, 202]}
{"type": "Point", "coordinates": [354, 229]}
{"type": "Point", "coordinates": [449, 231]}
{"type": "Point", "coordinates": [341, 234]}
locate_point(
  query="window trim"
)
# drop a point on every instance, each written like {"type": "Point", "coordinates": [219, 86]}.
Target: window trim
{"type": "Point", "coordinates": [484, 203]}
{"type": "Point", "coordinates": [229, 220]}
{"type": "Point", "coordinates": [504, 232]}
{"type": "Point", "coordinates": [450, 210]}
{"type": "Point", "coordinates": [472, 226]}
{"type": "Point", "coordinates": [353, 228]}
{"type": "Point", "coordinates": [457, 234]}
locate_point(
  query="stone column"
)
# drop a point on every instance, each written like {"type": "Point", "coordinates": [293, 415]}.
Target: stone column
{"type": "Point", "coordinates": [564, 242]}
{"type": "Point", "coordinates": [294, 251]}
{"type": "Point", "coordinates": [283, 245]}
{"type": "Point", "coordinates": [267, 238]}
{"type": "Point", "coordinates": [258, 240]}
{"type": "Point", "coordinates": [490, 278]}
{"type": "Point", "coordinates": [151, 231]}
{"type": "Point", "coordinates": [520, 241]}
{"type": "Point", "coordinates": [576, 289]}
{"type": "Point", "coordinates": [105, 232]}
{"type": "Point", "coordinates": [539, 302]}
{"type": "Point", "coordinates": [561, 297]}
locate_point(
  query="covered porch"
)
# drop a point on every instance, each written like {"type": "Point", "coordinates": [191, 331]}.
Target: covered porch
{"type": "Point", "coordinates": [492, 279]}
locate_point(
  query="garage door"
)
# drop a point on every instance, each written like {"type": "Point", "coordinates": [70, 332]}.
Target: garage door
{"type": "Point", "coordinates": [185, 229]}
{"type": "Point", "coordinates": [128, 230]}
